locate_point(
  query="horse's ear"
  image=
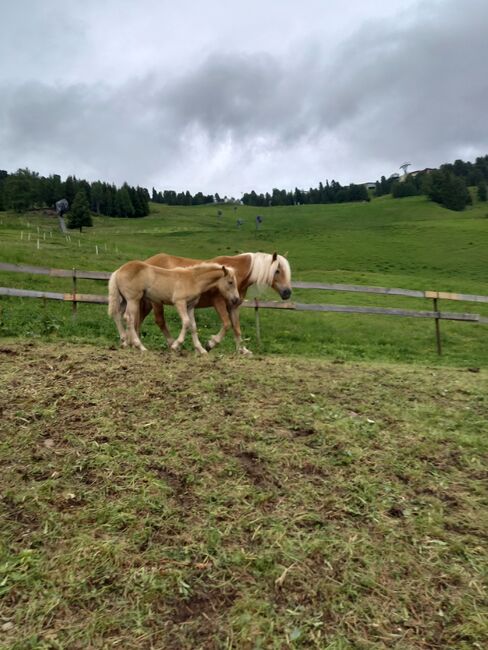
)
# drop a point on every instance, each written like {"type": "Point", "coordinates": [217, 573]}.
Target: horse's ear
{"type": "Point", "coordinates": [226, 272]}
{"type": "Point", "coordinates": [275, 256]}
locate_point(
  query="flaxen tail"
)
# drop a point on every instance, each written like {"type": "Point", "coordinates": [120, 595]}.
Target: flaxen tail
{"type": "Point", "coordinates": [115, 298]}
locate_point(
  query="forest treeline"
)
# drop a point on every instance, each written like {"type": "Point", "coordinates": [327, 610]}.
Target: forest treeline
{"type": "Point", "coordinates": [448, 185]}
{"type": "Point", "coordinates": [26, 189]}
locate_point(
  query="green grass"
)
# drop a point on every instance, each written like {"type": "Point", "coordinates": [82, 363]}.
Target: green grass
{"type": "Point", "coordinates": [279, 501]}
{"type": "Point", "coordinates": [153, 501]}
{"type": "Point", "coordinates": [409, 243]}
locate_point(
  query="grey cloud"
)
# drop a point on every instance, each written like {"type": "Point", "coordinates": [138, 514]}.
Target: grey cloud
{"type": "Point", "coordinates": [413, 89]}
{"type": "Point", "coordinates": [417, 87]}
{"type": "Point", "coordinates": [248, 95]}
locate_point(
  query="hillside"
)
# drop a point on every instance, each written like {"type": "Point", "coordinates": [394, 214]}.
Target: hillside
{"type": "Point", "coordinates": [409, 243]}
{"type": "Point", "coordinates": [158, 502]}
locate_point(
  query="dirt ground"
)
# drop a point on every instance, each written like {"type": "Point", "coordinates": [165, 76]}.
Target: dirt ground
{"type": "Point", "coordinates": [154, 501]}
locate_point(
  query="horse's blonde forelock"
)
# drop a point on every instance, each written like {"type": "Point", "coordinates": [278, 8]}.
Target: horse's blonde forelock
{"type": "Point", "coordinates": [285, 264]}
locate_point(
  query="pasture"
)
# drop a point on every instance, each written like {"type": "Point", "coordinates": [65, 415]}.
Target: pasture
{"type": "Point", "coordinates": [329, 492]}
{"type": "Point", "coordinates": [411, 244]}
{"type": "Point", "coordinates": [151, 501]}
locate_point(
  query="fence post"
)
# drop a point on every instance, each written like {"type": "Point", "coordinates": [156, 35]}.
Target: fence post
{"type": "Point", "coordinates": [75, 305]}
{"type": "Point", "coordinates": [437, 329]}
{"type": "Point", "coordinates": [258, 328]}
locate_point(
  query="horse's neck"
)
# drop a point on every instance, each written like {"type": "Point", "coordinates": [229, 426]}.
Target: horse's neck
{"type": "Point", "coordinates": [207, 278]}
{"type": "Point", "coordinates": [259, 272]}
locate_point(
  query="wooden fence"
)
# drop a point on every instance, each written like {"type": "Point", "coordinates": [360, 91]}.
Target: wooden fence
{"type": "Point", "coordinates": [74, 297]}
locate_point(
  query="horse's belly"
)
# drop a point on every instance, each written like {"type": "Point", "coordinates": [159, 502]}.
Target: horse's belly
{"type": "Point", "coordinates": [161, 296]}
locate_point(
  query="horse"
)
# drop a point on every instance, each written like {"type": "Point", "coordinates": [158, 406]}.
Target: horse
{"type": "Point", "coordinates": [262, 269]}
{"type": "Point", "coordinates": [180, 287]}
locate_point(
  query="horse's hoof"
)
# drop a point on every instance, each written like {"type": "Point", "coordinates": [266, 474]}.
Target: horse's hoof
{"type": "Point", "coordinates": [245, 352]}
{"type": "Point", "coordinates": [209, 345]}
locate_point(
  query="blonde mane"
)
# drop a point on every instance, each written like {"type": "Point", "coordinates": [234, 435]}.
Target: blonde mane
{"type": "Point", "coordinates": [263, 269]}
{"type": "Point", "coordinates": [202, 266]}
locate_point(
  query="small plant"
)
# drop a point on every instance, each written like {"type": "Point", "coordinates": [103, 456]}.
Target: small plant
{"type": "Point", "coordinates": [49, 325]}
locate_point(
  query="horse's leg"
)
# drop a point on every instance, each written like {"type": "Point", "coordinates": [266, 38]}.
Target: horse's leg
{"type": "Point", "coordinates": [122, 331]}
{"type": "Point", "coordinates": [131, 316]}
{"type": "Point", "coordinates": [221, 309]}
{"type": "Point", "coordinates": [185, 323]}
{"type": "Point", "coordinates": [161, 322]}
{"type": "Point", "coordinates": [145, 307]}
{"type": "Point", "coordinates": [194, 334]}
{"type": "Point", "coordinates": [236, 326]}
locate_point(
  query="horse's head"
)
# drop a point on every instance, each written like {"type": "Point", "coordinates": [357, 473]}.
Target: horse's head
{"type": "Point", "coordinates": [227, 285]}
{"type": "Point", "coordinates": [281, 282]}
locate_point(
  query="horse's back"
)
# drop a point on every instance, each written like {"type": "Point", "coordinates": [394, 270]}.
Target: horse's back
{"type": "Point", "coordinates": [164, 261]}
{"type": "Point", "coordinates": [132, 267]}
{"type": "Point", "coordinates": [241, 264]}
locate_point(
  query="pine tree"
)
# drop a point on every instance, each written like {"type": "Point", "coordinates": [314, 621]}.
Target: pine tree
{"type": "Point", "coordinates": [96, 197]}
{"type": "Point", "coordinates": [70, 189]}
{"type": "Point", "coordinates": [79, 215]}
{"type": "Point", "coordinates": [123, 203]}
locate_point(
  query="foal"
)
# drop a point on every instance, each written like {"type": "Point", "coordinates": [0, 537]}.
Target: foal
{"type": "Point", "coordinates": [180, 287]}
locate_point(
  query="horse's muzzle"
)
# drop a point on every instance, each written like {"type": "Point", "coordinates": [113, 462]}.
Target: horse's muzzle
{"type": "Point", "coordinates": [285, 293]}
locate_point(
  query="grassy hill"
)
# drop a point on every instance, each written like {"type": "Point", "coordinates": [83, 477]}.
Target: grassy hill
{"type": "Point", "coordinates": [223, 502]}
{"type": "Point", "coordinates": [409, 243]}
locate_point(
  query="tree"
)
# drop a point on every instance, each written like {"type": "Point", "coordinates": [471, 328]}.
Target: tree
{"type": "Point", "coordinates": [123, 204]}
{"type": "Point", "coordinates": [448, 190]}
{"type": "Point", "coordinates": [19, 190]}
{"type": "Point", "coordinates": [70, 189]}
{"type": "Point", "coordinates": [96, 196]}
{"type": "Point", "coordinates": [79, 215]}
{"type": "Point", "coordinates": [401, 189]}
{"type": "Point", "coordinates": [3, 176]}
{"type": "Point", "coordinates": [482, 191]}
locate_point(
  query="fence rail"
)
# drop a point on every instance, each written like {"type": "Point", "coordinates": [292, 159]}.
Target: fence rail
{"type": "Point", "coordinates": [409, 293]}
{"type": "Point", "coordinates": [74, 297]}
{"type": "Point", "coordinates": [55, 273]}
{"type": "Point", "coordinates": [356, 288]}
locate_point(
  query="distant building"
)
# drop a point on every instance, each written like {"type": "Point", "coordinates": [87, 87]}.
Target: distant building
{"type": "Point", "coordinates": [370, 186]}
{"type": "Point", "coordinates": [427, 170]}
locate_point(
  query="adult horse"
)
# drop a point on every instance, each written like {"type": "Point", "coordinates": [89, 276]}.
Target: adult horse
{"type": "Point", "coordinates": [180, 287]}
{"type": "Point", "coordinates": [262, 269]}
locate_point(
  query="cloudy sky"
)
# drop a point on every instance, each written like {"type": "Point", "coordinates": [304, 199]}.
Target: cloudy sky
{"type": "Point", "coordinates": [228, 96]}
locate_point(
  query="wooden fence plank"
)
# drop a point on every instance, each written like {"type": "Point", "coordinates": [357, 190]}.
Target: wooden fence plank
{"type": "Point", "coordinates": [28, 293]}
{"type": "Point", "coordinates": [355, 309]}
{"type": "Point", "coordinates": [55, 273]}
{"type": "Point", "coordinates": [86, 297]}
{"type": "Point", "coordinates": [409, 293]}
{"type": "Point", "coordinates": [292, 306]}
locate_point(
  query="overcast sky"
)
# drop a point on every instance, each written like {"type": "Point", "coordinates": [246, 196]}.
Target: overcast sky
{"type": "Point", "coordinates": [229, 96]}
